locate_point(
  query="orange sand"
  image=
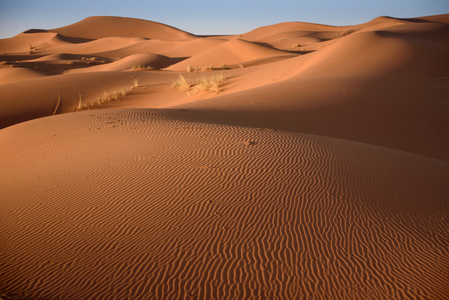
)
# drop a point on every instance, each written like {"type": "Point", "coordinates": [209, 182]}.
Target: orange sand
{"type": "Point", "coordinates": [318, 170]}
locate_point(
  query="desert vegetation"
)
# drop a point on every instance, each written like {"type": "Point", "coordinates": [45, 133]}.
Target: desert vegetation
{"type": "Point", "coordinates": [32, 48]}
{"type": "Point", "coordinates": [106, 97]}
{"type": "Point", "coordinates": [210, 84]}
{"type": "Point", "coordinates": [142, 67]}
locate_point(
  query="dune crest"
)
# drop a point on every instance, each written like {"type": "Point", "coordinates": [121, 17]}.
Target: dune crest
{"type": "Point", "coordinates": [100, 27]}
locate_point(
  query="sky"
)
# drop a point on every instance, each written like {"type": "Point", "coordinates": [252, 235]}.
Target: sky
{"type": "Point", "coordinates": [207, 17]}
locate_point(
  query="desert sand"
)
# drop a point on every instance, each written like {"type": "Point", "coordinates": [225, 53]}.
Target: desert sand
{"type": "Point", "coordinates": [294, 161]}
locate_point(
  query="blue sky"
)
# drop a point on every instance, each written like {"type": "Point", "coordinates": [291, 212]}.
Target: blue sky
{"type": "Point", "coordinates": [209, 16]}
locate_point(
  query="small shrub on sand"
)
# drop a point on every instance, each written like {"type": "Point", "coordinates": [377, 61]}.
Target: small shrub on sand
{"type": "Point", "coordinates": [142, 67]}
{"type": "Point", "coordinates": [113, 96]}
{"type": "Point", "coordinates": [80, 105]}
{"type": "Point", "coordinates": [119, 93]}
{"type": "Point", "coordinates": [90, 59]}
{"type": "Point", "coordinates": [190, 69]}
{"type": "Point", "coordinates": [208, 68]}
{"type": "Point", "coordinates": [296, 45]}
{"type": "Point", "coordinates": [211, 85]}
{"type": "Point", "coordinates": [181, 83]}
{"type": "Point", "coordinates": [204, 84]}
{"type": "Point", "coordinates": [31, 48]}
{"type": "Point", "coordinates": [107, 96]}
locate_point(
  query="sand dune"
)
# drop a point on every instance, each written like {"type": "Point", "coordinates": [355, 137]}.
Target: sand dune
{"type": "Point", "coordinates": [316, 168]}
{"type": "Point", "coordinates": [288, 36]}
{"type": "Point", "coordinates": [229, 53]}
{"type": "Point", "coordinates": [99, 45]}
{"type": "Point", "coordinates": [191, 48]}
{"type": "Point", "coordinates": [134, 61]}
{"type": "Point", "coordinates": [24, 42]}
{"type": "Point", "coordinates": [124, 27]}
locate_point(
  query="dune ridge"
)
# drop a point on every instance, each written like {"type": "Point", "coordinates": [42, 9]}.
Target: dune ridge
{"type": "Point", "coordinates": [317, 169]}
{"type": "Point", "coordinates": [106, 26]}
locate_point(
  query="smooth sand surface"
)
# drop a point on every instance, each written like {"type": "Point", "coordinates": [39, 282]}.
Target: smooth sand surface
{"type": "Point", "coordinates": [317, 169]}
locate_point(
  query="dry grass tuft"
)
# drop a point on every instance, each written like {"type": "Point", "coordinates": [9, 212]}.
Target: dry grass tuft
{"type": "Point", "coordinates": [208, 68]}
{"type": "Point", "coordinates": [211, 85]}
{"type": "Point", "coordinates": [31, 48]}
{"type": "Point", "coordinates": [107, 96]}
{"type": "Point", "coordinates": [181, 83]}
{"type": "Point", "coordinates": [142, 67]}
{"type": "Point", "coordinates": [204, 84]}
{"type": "Point", "coordinates": [191, 69]}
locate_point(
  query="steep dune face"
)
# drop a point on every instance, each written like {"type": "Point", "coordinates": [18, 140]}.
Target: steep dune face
{"type": "Point", "coordinates": [316, 167]}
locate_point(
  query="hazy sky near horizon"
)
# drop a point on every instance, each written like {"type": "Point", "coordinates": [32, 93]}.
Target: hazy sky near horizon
{"type": "Point", "coordinates": [209, 16]}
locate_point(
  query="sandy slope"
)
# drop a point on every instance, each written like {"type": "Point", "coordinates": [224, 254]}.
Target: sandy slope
{"type": "Point", "coordinates": [231, 52]}
{"type": "Point", "coordinates": [150, 205]}
{"type": "Point", "coordinates": [319, 170]}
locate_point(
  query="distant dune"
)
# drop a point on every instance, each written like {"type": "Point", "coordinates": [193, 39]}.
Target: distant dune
{"type": "Point", "coordinates": [294, 161]}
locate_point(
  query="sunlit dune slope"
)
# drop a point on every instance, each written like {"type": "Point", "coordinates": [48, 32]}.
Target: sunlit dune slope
{"type": "Point", "coordinates": [99, 27]}
{"type": "Point", "coordinates": [231, 52]}
{"type": "Point", "coordinates": [141, 203]}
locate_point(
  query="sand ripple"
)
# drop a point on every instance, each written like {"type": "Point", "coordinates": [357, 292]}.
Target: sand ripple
{"type": "Point", "coordinates": [153, 206]}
